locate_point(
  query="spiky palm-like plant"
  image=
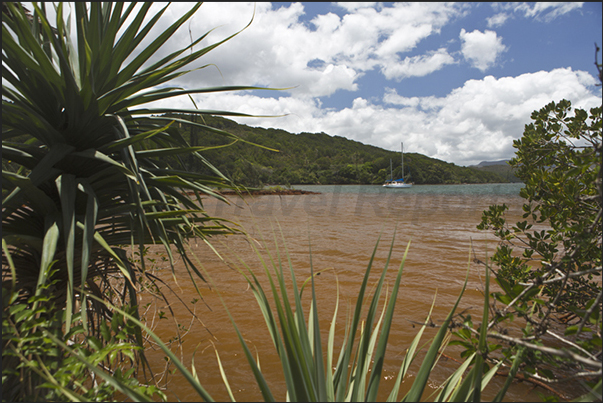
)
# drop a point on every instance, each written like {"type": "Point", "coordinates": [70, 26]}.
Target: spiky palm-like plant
{"type": "Point", "coordinates": [88, 167]}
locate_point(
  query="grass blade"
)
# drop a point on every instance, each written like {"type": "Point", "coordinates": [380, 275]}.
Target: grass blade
{"type": "Point", "coordinates": [341, 373]}
{"type": "Point", "coordinates": [482, 343]}
{"type": "Point", "coordinates": [512, 372]}
{"type": "Point", "coordinates": [224, 378]}
{"type": "Point", "coordinates": [380, 354]}
{"type": "Point", "coordinates": [415, 392]}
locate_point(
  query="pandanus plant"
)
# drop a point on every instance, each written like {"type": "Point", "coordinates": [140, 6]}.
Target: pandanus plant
{"type": "Point", "coordinates": [89, 168]}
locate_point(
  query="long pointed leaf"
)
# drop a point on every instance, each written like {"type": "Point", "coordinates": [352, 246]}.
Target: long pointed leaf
{"type": "Point", "coordinates": [482, 343]}
{"type": "Point", "coordinates": [87, 242]}
{"type": "Point", "coordinates": [49, 248]}
{"type": "Point", "coordinates": [67, 188]}
{"type": "Point", "coordinates": [415, 392]}
{"type": "Point", "coordinates": [341, 374]}
{"type": "Point", "coordinates": [380, 354]}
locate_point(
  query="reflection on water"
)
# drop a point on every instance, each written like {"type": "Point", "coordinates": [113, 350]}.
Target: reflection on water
{"type": "Point", "coordinates": [341, 226]}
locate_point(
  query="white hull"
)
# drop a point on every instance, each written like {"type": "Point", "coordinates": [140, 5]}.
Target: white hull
{"type": "Point", "coordinates": [397, 185]}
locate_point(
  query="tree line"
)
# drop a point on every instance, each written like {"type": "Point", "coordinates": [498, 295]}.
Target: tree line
{"type": "Point", "coordinates": [317, 158]}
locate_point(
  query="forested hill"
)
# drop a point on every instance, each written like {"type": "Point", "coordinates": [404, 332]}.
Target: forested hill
{"type": "Point", "coordinates": [318, 158]}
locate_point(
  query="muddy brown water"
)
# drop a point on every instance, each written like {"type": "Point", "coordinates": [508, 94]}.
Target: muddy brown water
{"type": "Point", "coordinates": [341, 227]}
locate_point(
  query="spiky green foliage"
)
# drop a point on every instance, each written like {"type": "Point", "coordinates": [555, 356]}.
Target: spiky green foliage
{"type": "Point", "coordinates": [87, 169]}
{"type": "Point", "coordinates": [303, 355]}
{"type": "Point", "coordinates": [358, 369]}
{"type": "Point", "coordinates": [96, 170]}
{"type": "Point", "coordinates": [37, 364]}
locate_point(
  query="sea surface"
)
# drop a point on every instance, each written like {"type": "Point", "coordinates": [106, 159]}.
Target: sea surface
{"type": "Point", "coordinates": [335, 232]}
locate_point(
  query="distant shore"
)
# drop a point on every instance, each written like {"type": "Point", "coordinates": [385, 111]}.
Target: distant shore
{"type": "Point", "coordinates": [262, 192]}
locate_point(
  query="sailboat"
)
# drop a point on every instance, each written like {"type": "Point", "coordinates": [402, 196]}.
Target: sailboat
{"type": "Point", "coordinates": [398, 183]}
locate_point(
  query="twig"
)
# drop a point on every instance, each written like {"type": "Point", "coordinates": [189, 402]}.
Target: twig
{"type": "Point", "coordinates": [565, 276]}
{"type": "Point", "coordinates": [570, 343]}
{"type": "Point", "coordinates": [589, 312]}
{"type": "Point", "coordinates": [536, 382]}
{"type": "Point", "coordinates": [560, 353]}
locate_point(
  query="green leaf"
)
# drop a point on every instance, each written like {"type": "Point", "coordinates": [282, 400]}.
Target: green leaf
{"type": "Point", "coordinates": [570, 330]}
{"type": "Point", "coordinates": [24, 188]}
{"type": "Point", "coordinates": [67, 188]}
{"type": "Point", "coordinates": [49, 248]}
{"type": "Point", "coordinates": [418, 386]}
{"type": "Point", "coordinates": [371, 394]}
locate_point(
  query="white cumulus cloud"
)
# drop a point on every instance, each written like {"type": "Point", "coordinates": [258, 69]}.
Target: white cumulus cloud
{"type": "Point", "coordinates": [481, 49]}
{"type": "Point", "coordinates": [318, 57]}
{"type": "Point", "coordinates": [497, 20]}
{"type": "Point", "coordinates": [418, 66]}
{"type": "Point", "coordinates": [547, 11]}
{"type": "Point", "coordinates": [475, 122]}
{"type": "Point", "coordinates": [480, 120]}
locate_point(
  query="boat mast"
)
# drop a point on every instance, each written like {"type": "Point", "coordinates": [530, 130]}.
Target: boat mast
{"type": "Point", "coordinates": [402, 154]}
{"type": "Point", "coordinates": [391, 170]}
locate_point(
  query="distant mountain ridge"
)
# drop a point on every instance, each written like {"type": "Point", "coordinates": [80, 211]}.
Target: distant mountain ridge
{"type": "Point", "coordinates": [500, 167]}
{"type": "Point", "coordinates": [490, 163]}
{"type": "Point", "coordinates": [316, 158]}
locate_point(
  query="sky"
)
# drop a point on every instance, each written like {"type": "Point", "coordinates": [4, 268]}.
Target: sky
{"type": "Point", "coordinates": [453, 81]}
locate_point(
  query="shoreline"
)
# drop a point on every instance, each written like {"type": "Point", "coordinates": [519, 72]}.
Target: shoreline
{"type": "Point", "coordinates": [264, 192]}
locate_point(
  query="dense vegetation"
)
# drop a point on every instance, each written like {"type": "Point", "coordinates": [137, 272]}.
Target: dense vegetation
{"type": "Point", "coordinates": [85, 185]}
{"type": "Point", "coordinates": [96, 180]}
{"type": "Point", "coordinates": [548, 265]}
{"type": "Point", "coordinates": [91, 176]}
{"type": "Point", "coordinates": [318, 158]}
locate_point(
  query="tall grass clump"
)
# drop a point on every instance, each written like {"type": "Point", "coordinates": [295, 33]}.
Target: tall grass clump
{"type": "Point", "coordinates": [307, 362]}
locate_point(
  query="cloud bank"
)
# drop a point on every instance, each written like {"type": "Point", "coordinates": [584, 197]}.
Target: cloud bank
{"type": "Point", "coordinates": [331, 52]}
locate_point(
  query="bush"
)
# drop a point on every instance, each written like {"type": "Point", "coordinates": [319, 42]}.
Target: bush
{"type": "Point", "coordinates": [42, 363]}
{"type": "Point", "coordinates": [547, 263]}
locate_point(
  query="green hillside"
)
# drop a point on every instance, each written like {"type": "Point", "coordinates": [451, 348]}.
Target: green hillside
{"type": "Point", "coordinates": [318, 158]}
{"type": "Point", "coordinates": [503, 170]}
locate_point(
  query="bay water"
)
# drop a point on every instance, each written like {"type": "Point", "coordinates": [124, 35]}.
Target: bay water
{"type": "Point", "coordinates": [335, 231]}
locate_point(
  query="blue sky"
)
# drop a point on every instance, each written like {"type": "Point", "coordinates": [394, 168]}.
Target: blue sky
{"type": "Point", "coordinates": [453, 81]}
{"type": "Point", "coordinates": [531, 44]}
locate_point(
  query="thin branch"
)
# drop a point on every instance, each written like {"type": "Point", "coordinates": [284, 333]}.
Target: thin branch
{"type": "Point", "coordinates": [577, 375]}
{"type": "Point", "coordinates": [564, 276]}
{"type": "Point", "coordinates": [590, 311]}
{"type": "Point", "coordinates": [510, 304]}
{"type": "Point", "coordinates": [557, 352]}
{"type": "Point", "coordinates": [570, 343]}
